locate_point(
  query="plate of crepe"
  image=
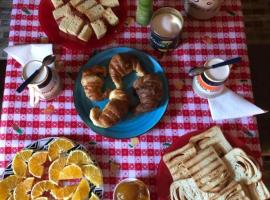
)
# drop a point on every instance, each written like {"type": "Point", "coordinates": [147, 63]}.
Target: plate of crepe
{"type": "Point", "coordinates": [210, 165]}
{"type": "Point", "coordinates": [82, 24]}
{"type": "Point", "coordinates": [132, 124]}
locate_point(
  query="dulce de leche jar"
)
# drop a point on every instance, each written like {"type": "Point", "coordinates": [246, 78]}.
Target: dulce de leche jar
{"type": "Point", "coordinates": [202, 9]}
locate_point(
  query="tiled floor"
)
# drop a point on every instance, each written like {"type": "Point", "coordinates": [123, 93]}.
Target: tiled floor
{"type": "Point", "coordinates": [257, 21]}
{"type": "Point", "coordinates": [5, 9]}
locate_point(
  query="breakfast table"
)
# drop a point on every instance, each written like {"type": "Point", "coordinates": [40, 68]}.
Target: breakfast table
{"type": "Point", "coordinates": [222, 36]}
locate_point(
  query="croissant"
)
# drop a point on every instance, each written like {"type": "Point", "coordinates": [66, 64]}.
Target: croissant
{"type": "Point", "coordinates": [123, 64]}
{"type": "Point", "coordinates": [92, 82]}
{"type": "Point", "coordinates": [113, 112]}
{"type": "Point", "coordinates": [149, 89]}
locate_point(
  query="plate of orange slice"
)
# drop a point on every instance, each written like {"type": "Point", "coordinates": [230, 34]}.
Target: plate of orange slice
{"type": "Point", "coordinates": [52, 168]}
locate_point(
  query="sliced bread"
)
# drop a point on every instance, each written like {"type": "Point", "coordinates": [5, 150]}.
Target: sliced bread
{"type": "Point", "coordinates": [95, 12]}
{"type": "Point", "coordinates": [99, 28]}
{"type": "Point", "coordinates": [75, 26]}
{"type": "Point", "coordinates": [110, 17]}
{"type": "Point", "coordinates": [65, 23]}
{"type": "Point", "coordinates": [62, 11]}
{"type": "Point", "coordinates": [232, 191]}
{"type": "Point", "coordinates": [57, 3]}
{"type": "Point", "coordinates": [85, 33]}
{"type": "Point", "coordinates": [258, 191]}
{"type": "Point", "coordinates": [75, 3]}
{"type": "Point", "coordinates": [175, 159]}
{"type": "Point", "coordinates": [187, 189]}
{"type": "Point", "coordinates": [242, 167]}
{"type": "Point", "coordinates": [208, 170]}
{"type": "Point", "coordinates": [212, 137]}
{"type": "Point", "coordinates": [109, 3]}
{"type": "Point", "coordinates": [83, 7]}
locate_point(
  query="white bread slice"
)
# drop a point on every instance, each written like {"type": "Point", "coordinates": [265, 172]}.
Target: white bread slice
{"type": "Point", "coordinates": [75, 26]}
{"type": "Point", "coordinates": [83, 7]}
{"type": "Point", "coordinates": [174, 161]}
{"type": "Point", "coordinates": [99, 28]}
{"type": "Point", "coordinates": [242, 167]}
{"type": "Point", "coordinates": [57, 3]}
{"type": "Point", "coordinates": [62, 11]}
{"type": "Point", "coordinates": [85, 33]}
{"type": "Point", "coordinates": [109, 3]}
{"type": "Point", "coordinates": [65, 23]}
{"type": "Point", "coordinates": [209, 171]}
{"type": "Point", "coordinates": [111, 18]}
{"type": "Point", "coordinates": [258, 191]}
{"type": "Point", "coordinates": [75, 3]}
{"type": "Point", "coordinates": [187, 189]}
{"type": "Point", "coordinates": [232, 191]}
{"type": "Point", "coordinates": [212, 137]}
{"type": "Point", "coordinates": [95, 13]}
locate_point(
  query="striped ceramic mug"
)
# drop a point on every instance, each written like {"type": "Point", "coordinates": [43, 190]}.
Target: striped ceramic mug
{"type": "Point", "coordinates": [211, 82]}
{"type": "Point", "coordinates": [47, 84]}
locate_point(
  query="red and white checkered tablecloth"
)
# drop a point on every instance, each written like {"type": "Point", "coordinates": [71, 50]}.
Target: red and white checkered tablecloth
{"type": "Point", "coordinates": [222, 36]}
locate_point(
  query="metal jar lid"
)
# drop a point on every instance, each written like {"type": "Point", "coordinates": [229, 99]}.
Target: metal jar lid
{"type": "Point", "coordinates": [167, 10]}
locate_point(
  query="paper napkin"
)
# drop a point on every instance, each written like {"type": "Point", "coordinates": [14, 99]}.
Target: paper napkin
{"type": "Point", "coordinates": [230, 105]}
{"type": "Point", "coordinates": [28, 52]}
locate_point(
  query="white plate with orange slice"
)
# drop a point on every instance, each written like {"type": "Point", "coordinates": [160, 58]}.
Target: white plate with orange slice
{"type": "Point", "coordinates": [52, 168]}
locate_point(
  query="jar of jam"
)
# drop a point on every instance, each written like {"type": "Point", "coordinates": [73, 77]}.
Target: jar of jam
{"type": "Point", "coordinates": [131, 189]}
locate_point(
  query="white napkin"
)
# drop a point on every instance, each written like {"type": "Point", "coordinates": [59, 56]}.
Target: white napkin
{"type": "Point", "coordinates": [28, 52]}
{"type": "Point", "coordinates": [230, 105]}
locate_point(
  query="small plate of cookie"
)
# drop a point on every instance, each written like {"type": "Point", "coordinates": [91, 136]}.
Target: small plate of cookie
{"type": "Point", "coordinates": [82, 24]}
{"type": "Point", "coordinates": [207, 165]}
{"type": "Point", "coordinates": [121, 92]}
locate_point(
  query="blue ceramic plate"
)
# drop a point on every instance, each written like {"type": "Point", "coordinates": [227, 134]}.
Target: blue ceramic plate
{"type": "Point", "coordinates": [131, 126]}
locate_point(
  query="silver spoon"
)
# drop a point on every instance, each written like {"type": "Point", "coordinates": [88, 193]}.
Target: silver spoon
{"type": "Point", "coordinates": [199, 70]}
{"type": "Point", "coordinates": [46, 61]}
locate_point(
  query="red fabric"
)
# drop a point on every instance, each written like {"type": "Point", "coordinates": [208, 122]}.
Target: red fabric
{"type": "Point", "coordinates": [223, 37]}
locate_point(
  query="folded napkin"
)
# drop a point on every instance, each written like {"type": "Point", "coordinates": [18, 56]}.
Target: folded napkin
{"type": "Point", "coordinates": [28, 52]}
{"type": "Point", "coordinates": [230, 105]}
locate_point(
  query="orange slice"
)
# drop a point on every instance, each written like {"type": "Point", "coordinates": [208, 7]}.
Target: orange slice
{"type": "Point", "coordinates": [19, 162]}
{"type": "Point", "coordinates": [41, 198]}
{"type": "Point", "coordinates": [93, 174]}
{"type": "Point", "coordinates": [55, 168]}
{"type": "Point", "coordinates": [79, 157]}
{"type": "Point", "coordinates": [41, 187]}
{"type": "Point", "coordinates": [23, 188]}
{"type": "Point", "coordinates": [64, 192]}
{"type": "Point", "coordinates": [58, 147]}
{"type": "Point", "coordinates": [94, 197]}
{"type": "Point", "coordinates": [7, 185]}
{"type": "Point", "coordinates": [35, 163]}
{"type": "Point", "coordinates": [70, 172]}
{"type": "Point", "coordinates": [10, 197]}
{"type": "Point", "coordinates": [82, 191]}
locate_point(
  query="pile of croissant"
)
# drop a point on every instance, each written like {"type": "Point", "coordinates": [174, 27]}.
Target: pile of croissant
{"type": "Point", "coordinates": [148, 88]}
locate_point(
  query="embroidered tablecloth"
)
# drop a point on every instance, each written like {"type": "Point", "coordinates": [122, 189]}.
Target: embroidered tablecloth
{"type": "Point", "coordinates": [223, 37]}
